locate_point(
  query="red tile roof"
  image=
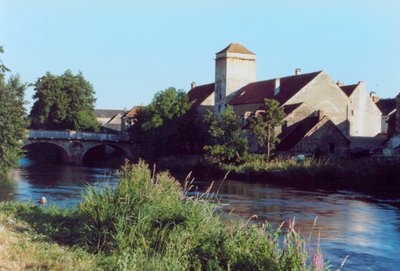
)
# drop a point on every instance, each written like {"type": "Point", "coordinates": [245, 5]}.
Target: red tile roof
{"type": "Point", "coordinates": [236, 48]}
{"type": "Point", "coordinates": [198, 94]}
{"type": "Point", "coordinates": [256, 92]}
{"type": "Point", "coordinates": [131, 113]}
{"type": "Point", "coordinates": [348, 90]}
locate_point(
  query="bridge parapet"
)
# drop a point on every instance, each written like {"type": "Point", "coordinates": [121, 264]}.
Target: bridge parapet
{"type": "Point", "coordinates": [74, 135]}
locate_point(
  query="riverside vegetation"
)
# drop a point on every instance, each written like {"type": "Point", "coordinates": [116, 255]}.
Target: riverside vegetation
{"type": "Point", "coordinates": [149, 222]}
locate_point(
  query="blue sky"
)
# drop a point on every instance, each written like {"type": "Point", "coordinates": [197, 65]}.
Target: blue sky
{"type": "Point", "coordinates": [128, 50]}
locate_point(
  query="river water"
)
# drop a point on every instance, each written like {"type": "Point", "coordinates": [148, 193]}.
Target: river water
{"type": "Point", "coordinates": [363, 227]}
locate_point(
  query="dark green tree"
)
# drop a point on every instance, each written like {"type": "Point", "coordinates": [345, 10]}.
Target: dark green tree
{"type": "Point", "coordinates": [264, 124]}
{"type": "Point", "coordinates": [167, 105]}
{"type": "Point", "coordinates": [12, 119]}
{"type": "Point", "coordinates": [228, 143]}
{"type": "Point", "coordinates": [63, 102]}
{"type": "Point", "coordinates": [163, 127]}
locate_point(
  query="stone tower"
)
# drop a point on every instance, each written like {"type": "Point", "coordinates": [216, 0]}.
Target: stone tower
{"type": "Point", "coordinates": [235, 67]}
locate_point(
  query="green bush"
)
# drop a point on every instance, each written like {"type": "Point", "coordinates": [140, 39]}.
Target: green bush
{"type": "Point", "coordinates": [150, 223]}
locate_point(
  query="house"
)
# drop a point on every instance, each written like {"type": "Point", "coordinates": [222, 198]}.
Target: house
{"type": "Point", "coordinates": [202, 97]}
{"type": "Point", "coordinates": [393, 144]}
{"type": "Point", "coordinates": [109, 119]}
{"type": "Point", "coordinates": [364, 114]}
{"type": "Point", "coordinates": [316, 134]}
{"type": "Point", "coordinates": [129, 118]}
{"type": "Point", "coordinates": [302, 96]}
{"type": "Point", "coordinates": [388, 109]}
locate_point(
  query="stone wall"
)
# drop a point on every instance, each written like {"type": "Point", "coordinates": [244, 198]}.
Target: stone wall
{"type": "Point", "coordinates": [364, 116]}
{"type": "Point", "coordinates": [323, 94]}
{"type": "Point", "coordinates": [232, 72]}
{"type": "Point", "coordinates": [325, 139]}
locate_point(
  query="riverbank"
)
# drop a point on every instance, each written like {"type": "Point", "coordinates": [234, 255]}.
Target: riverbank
{"type": "Point", "coordinates": [149, 222]}
{"type": "Point", "coordinates": [367, 175]}
{"type": "Point", "coordinates": [24, 248]}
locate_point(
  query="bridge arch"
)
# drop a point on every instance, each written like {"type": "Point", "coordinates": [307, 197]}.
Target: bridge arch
{"type": "Point", "coordinates": [104, 154]}
{"type": "Point", "coordinates": [46, 152]}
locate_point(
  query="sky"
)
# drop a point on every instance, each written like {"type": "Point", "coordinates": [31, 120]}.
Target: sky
{"type": "Point", "coordinates": [129, 50]}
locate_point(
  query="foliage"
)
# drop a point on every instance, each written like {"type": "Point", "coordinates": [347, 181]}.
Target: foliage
{"type": "Point", "coordinates": [150, 222]}
{"type": "Point", "coordinates": [264, 124]}
{"type": "Point", "coordinates": [12, 119]}
{"type": "Point", "coordinates": [228, 143]}
{"type": "Point", "coordinates": [167, 105]}
{"type": "Point", "coordinates": [64, 102]}
{"type": "Point", "coordinates": [166, 126]}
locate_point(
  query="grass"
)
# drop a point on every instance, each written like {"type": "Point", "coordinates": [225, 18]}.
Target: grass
{"type": "Point", "coordinates": [23, 248]}
{"type": "Point", "coordinates": [149, 222]}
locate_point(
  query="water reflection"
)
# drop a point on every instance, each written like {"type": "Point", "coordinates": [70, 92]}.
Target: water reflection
{"type": "Point", "coordinates": [62, 185]}
{"type": "Point", "coordinates": [352, 224]}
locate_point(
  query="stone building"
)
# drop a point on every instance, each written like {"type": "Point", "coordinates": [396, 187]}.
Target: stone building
{"type": "Point", "coordinates": [129, 119]}
{"type": "Point", "coordinates": [388, 109]}
{"type": "Point", "coordinates": [110, 120]}
{"type": "Point", "coordinates": [303, 96]}
{"type": "Point", "coordinates": [364, 115]}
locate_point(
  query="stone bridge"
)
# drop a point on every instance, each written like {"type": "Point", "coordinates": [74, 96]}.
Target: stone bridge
{"type": "Point", "coordinates": [74, 145]}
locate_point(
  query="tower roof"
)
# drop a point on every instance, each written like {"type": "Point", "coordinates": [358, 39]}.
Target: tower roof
{"type": "Point", "coordinates": [236, 48]}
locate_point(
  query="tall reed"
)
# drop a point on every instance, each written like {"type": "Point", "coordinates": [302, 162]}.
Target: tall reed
{"type": "Point", "coordinates": [150, 223]}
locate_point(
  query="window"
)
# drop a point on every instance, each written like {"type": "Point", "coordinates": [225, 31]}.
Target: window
{"type": "Point", "coordinates": [219, 108]}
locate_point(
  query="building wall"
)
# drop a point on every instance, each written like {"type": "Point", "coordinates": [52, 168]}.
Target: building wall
{"type": "Point", "coordinates": [366, 117]}
{"type": "Point", "coordinates": [322, 93]}
{"type": "Point", "coordinates": [207, 104]}
{"type": "Point", "coordinates": [322, 138]}
{"type": "Point", "coordinates": [300, 113]}
{"type": "Point", "coordinates": [243, 108]}
{"type": "Point", "coordinates": [232, 72]}
{"type": "Point", "coordinates": [102, 120]}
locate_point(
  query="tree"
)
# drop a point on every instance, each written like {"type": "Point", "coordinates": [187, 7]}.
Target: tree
{"type": "Point", "coordinates": [228, 143]}
{"type": "Point", "coordinates": [264, 123]}
{"type": "Point", "coordinates": [162, 126]}
{"type": "Point", "coordinates": [63, 102]}
{"type": "Point", "coordinates": [167, 105]}
{"type": "Point", "coordinates": [12, 119]}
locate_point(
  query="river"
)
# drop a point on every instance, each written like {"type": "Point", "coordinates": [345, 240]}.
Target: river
{"type": "Point", "coordinates": [363, 227]}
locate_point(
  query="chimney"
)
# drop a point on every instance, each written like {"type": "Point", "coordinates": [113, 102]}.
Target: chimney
{"type": "Point", "coordinates": [374, 97]}
{"type": "Point", "coordinates": [193, 85]}
{"type": "Point", "coordinates": [340, 83]}
{"type": "Point", "coordinates": [277, 86]}
{"type": "Point", "coordinates": [297, 71]}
